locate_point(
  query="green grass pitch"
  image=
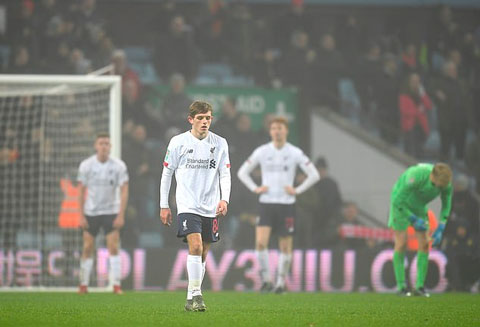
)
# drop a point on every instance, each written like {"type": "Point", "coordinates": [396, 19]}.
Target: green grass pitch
{"type": "Point", "coordinates": [238, 309]}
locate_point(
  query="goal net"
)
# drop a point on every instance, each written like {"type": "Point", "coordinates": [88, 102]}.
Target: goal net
{"type": "Point", "coordinates": [47, 127]}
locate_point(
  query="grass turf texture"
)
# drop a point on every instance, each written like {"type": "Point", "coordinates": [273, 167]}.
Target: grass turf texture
{"type": "Point", "coordinates": [238, 309]}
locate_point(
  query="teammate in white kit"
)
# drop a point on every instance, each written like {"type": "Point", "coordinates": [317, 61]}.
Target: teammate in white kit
{"type": "Point", "coordinates": [278, 161]}
{"type": "Point", "coordinates": [104, 180]}
{"type": "Point", "coordinates": [200, 161]}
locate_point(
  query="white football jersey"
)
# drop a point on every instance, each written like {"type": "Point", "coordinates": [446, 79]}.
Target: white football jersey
{"type": "Point", "coordinates": [103, 181]}
{"type": "Point", "coordinates": [198, 166]}
{"type": "Point", "coordinates": [278, 168]}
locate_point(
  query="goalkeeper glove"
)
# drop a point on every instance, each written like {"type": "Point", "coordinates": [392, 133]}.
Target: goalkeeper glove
{"type": "Point", "coordinates": [417, 223]}
{"type": "Point", "coordinates": [437, 235]}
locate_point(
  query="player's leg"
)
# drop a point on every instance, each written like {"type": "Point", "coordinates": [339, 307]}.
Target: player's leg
{"type": "Point", "coordinates": [285, 245]}
{"type": "Point", "coordinates": [206, 248]}
{"type": "Point", "coordinates": [262, 236]}
{"type": "Point", "coordinates": [284, 223]}
{"type": "Point", "coordinates": [190, 229]}
{"type": "Point", "coordinates": [86, 261]}
{"type": "Point", "coordinates": [422, 263]}
{"type": "Point", "coordinates": [209, 235]}
{"type": "Point", "coordinates": [399, 222]}
{"type": "Point", "coordinates": [115, 265]}
{"type": "Point", "coordinates": [399, 259]}
{"type": "Point", "coordinates": [195, 272]}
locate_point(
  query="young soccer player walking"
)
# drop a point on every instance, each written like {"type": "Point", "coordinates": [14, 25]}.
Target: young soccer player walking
{"type": "Point", "coordinates": [200, 161]}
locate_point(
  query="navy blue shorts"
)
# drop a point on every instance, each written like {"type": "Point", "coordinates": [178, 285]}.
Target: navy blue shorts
{"type": "Point", "coordinates": [280, 217]}
{"type": "Point", "coordinates": [103, 221]}
{"type": "Point", "coordinates": [189, 223]}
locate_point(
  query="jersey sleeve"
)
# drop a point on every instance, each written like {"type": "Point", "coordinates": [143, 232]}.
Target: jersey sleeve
{"type": "Point", "coordinates": [309, 169]}
{"type": "Point", "coordinates": [82, 174]}
{"type": "Point", "coordinates": [225, 158]}
{"type": "Point", "coordinates": [224, 172]}
{"type": "Point", "coordinates": [246, 168]}
{"type": "Point", "coordinates": [122, 174]}
{"type": "Point", "coordinates": [254, 158]}
{"type": "Point", "coordinates": [303, 161]}
{"type": "Point", "coordinates": [171, 157]}
{"type": "Point", "coordinates": [446, 197]}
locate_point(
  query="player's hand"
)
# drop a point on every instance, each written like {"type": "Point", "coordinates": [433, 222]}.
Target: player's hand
{"type": "Point", "coordinates": [166, 216]}
{"type": "Point", "coordinates": [290, 190]}
{"type": "Point", "coordinates": [119, 222]}
{"type": "Point", "coordinates": [222, 208]}
{"type": "Point", "coordinates": [418, 223]}
{"type": "Point", "coordinates": [437, 235]}
{"type": "Point", "coordinates": [261, 189]}
{"type": "Point", "coordinates": [83, 222]}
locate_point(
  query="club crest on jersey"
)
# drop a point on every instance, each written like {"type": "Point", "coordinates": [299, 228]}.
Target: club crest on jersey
{"type": "Point", "coordinates": [190, 151]}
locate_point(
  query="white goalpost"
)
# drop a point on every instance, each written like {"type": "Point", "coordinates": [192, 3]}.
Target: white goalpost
{"type": "Point", "coordinates": [48, 125]}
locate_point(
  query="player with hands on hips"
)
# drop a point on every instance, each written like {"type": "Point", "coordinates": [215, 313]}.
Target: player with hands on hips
{"type": "Point", "coordinates": [278, 161]}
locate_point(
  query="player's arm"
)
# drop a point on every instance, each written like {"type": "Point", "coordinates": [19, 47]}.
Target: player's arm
{"type": "Point", "coordinates": [225, 183]}
{"type": "Point", "coordinates": [82, 185]}
{"type": "Point", "coordinates": [446, 197]}
{"type": "Point", "coordinates": [123, 184]}
{"type": "Point", "coordinates": [169, 166]}
{"type": "Point", "coordinates": [120, 219]}
{"type": "Point", "coordinates": [244, 174]}
{"type": "Point", "coordinates": [312, 176]}
{"type": "Point", "coordinates": [81, 200]}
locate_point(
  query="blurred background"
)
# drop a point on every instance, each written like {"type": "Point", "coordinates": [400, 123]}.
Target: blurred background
{"type": "Point", "coordinates": [369, 88]}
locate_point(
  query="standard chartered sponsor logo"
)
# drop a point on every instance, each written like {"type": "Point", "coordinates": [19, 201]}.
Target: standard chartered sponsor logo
{"type": "Point", "coordinates": [197, 163]}
{"type": "Point", "coordinates": [276, 167]}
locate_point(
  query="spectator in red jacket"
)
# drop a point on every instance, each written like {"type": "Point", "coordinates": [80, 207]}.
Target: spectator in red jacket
{"type": "Point", "coordinates": [120, 67]}
{"type": "Point", "coordinates": [413, 104]}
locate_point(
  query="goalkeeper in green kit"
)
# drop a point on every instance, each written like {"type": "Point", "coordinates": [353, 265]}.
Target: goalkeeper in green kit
{"type": "Point", "coordinates": [415, 188]}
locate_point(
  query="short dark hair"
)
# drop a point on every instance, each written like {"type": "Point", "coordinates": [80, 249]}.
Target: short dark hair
{"type": "Point", "coordinates": [321, 162]}
{"type": "Point", "coordinates": [199, 107]}
{"type": "Point", "coordinates": [101, 135]}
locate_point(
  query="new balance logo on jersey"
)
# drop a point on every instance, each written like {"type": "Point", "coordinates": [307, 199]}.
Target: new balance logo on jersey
{"type": "Point", "coordinates": [212, 150]}
{"type": "Point", "coordinates": [212, 164]}
{"type": "Point", "coordinates": [184, 225]}
{"type": "Point", "coordinates": [190, 151]}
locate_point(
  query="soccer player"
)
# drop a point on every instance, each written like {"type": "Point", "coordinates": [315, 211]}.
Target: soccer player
{"type": "Point", "coordinates": [103, 198]}
{"type": "Point", "coordinates": [415, 188]}
{"type": "Point", "coordinates": [278, 161]}
{"type": "Point", "coordinates": [200, 161]}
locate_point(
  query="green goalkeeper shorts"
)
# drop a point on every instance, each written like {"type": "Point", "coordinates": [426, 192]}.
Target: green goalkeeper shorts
{"type": "Point", "coordinates": [398, 218]}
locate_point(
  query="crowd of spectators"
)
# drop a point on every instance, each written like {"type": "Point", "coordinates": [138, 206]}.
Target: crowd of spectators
{"type": "Point", "coordinates": [389, 77]}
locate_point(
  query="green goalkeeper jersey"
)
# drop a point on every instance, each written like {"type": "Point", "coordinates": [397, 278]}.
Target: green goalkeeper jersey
{"type": "Point", "coordinates": [414, 190]}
